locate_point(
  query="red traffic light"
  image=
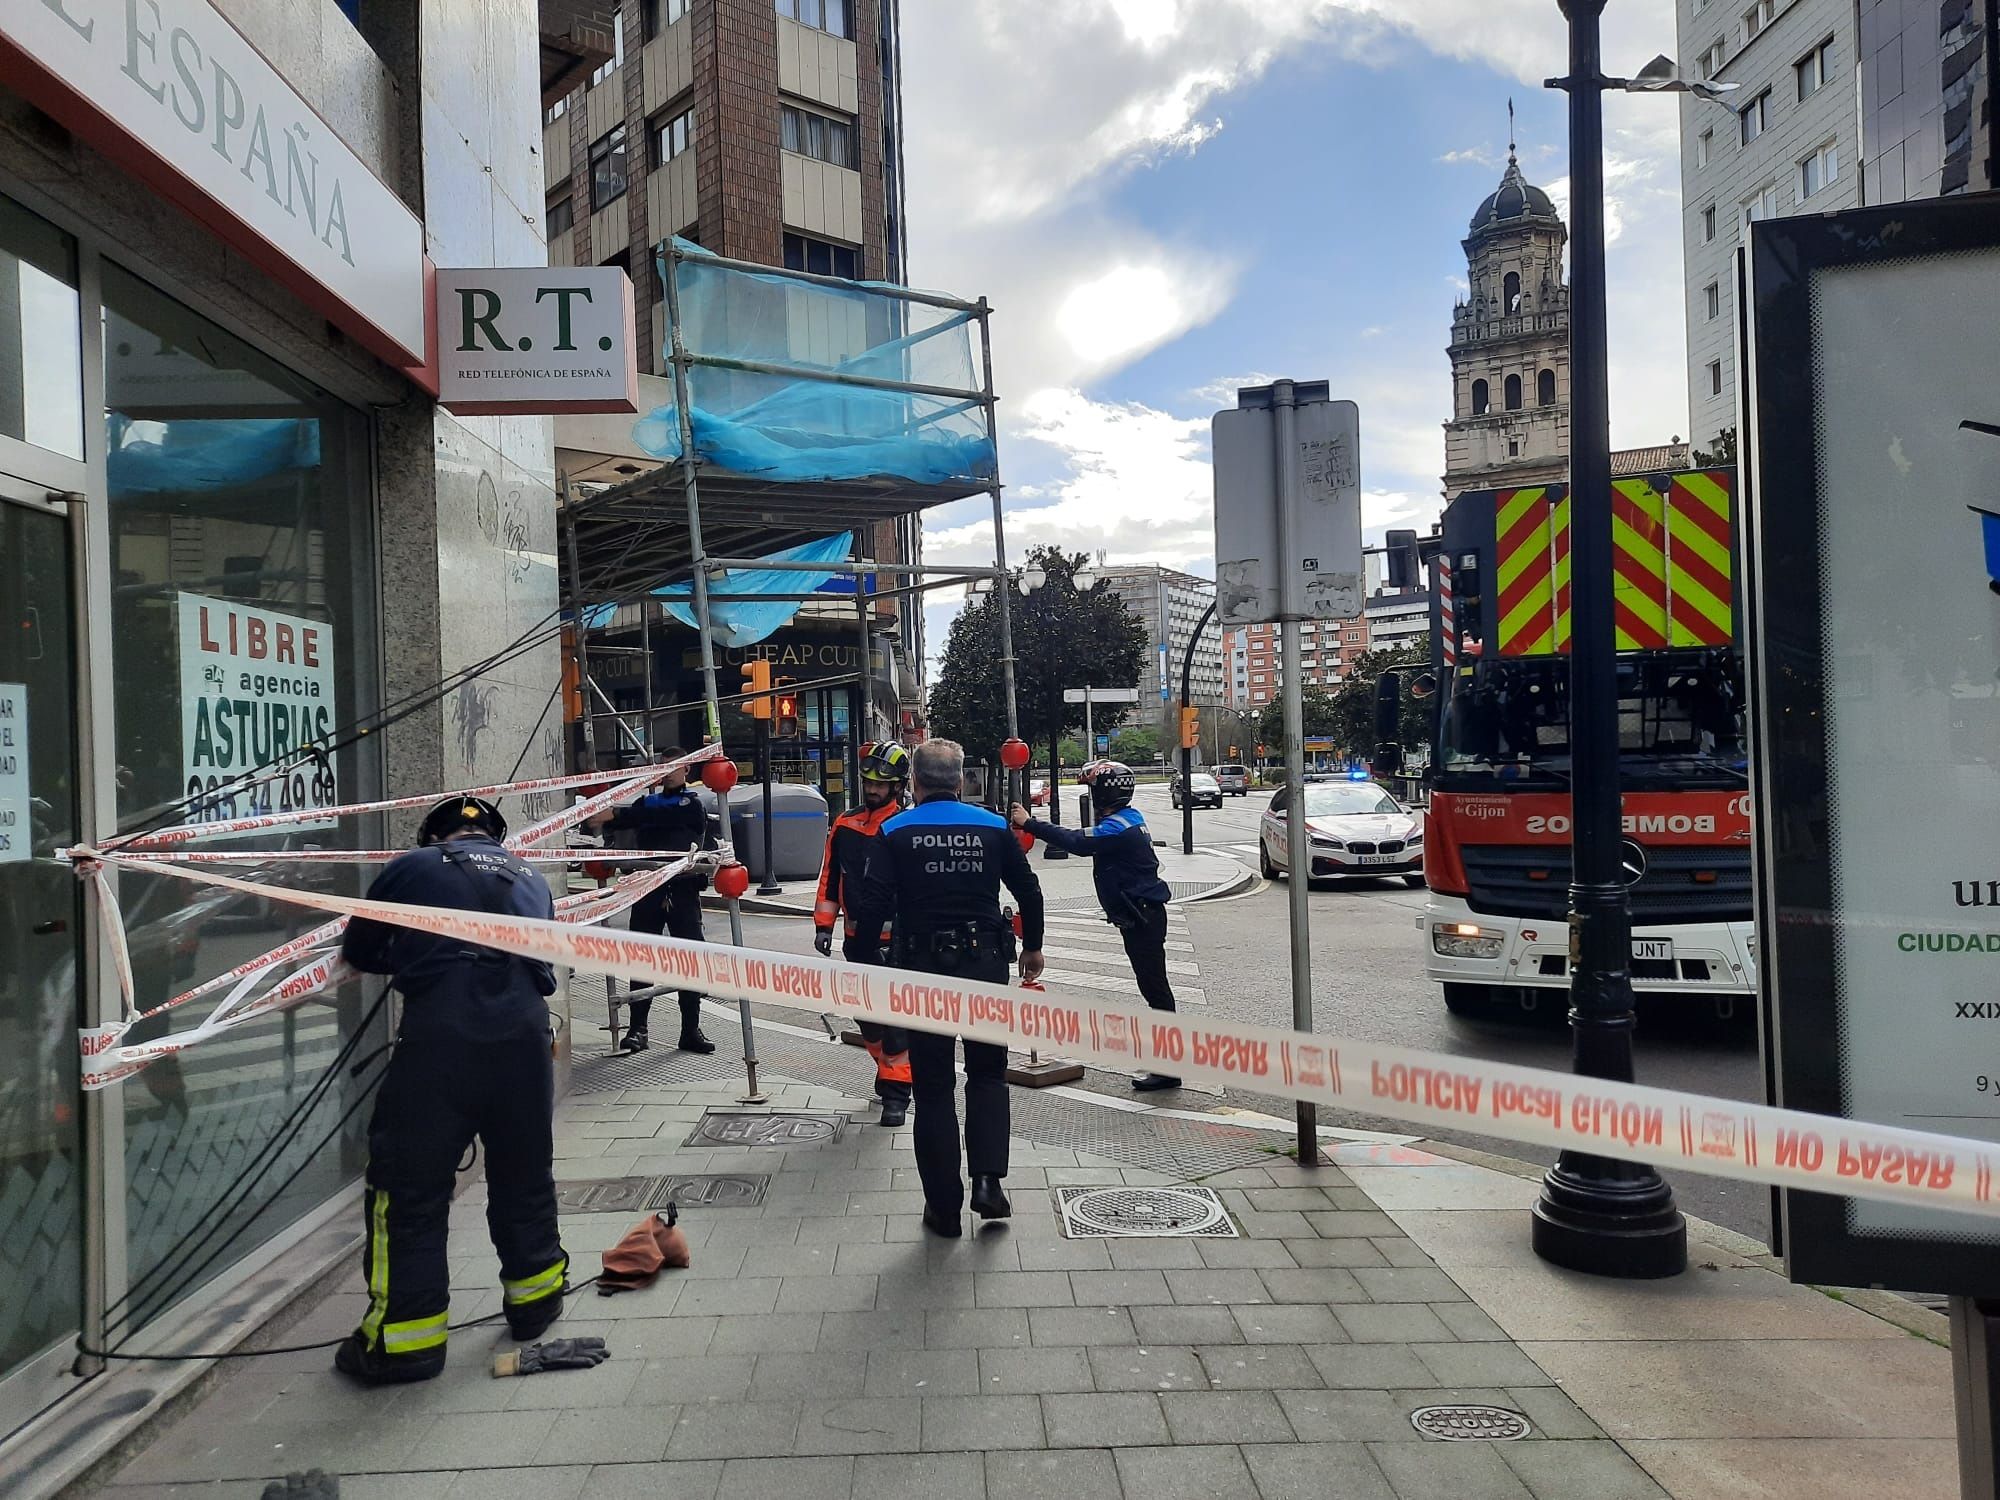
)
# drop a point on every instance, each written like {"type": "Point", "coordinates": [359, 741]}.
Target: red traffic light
{"type": "Point", "coordinates": [1013, 754]}
{"type": "Point", "coordinates": [731, 881]}
{"type": "Point", "coordinates": [718, 775]}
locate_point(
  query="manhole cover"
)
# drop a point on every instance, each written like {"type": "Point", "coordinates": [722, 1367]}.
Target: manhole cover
{"type": "Point", "coordinates": [605, 1195]}
{"type": "Point", "coordinates": [723, 1127]}
{"type": "Point", "coordinates": [719, 1190]}
{"type": "Point", "coordinates": [1142, 1213]}
{"type": "Point", "coordinates": [1467, 1424]}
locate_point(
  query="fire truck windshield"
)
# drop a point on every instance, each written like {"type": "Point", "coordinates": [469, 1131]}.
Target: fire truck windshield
{"type": "Point", "coordinates": [1680, 721]}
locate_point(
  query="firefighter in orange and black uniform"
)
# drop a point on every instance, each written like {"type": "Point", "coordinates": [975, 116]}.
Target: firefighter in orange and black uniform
{"type": "Point", "coordinates": [885, 770]}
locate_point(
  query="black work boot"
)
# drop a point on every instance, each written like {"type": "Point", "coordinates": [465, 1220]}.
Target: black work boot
{"type": "Point", "coordinates": [895, 1111]}
{"type": "Point", "coordinates": [693, 1041]}
{"type": "Point", "coordinates": [947, 1226]}
{"type": "Point", "coordinates": [988, 1201]}
{"type": "Point", "coordinates": [1147, 1083]}
{"type": "Point", "coordinates": [634, 1041]}
{"type": "Point", "coordinates": [527, 1323]}
{"type": "Point", "coordinates": [356, 1359]}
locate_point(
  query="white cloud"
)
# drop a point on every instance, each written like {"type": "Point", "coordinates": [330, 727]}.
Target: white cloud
{"type": "Point", "coordinates": [1483, 156]}
{"type": "Point", "coordinates": [1131, 309]}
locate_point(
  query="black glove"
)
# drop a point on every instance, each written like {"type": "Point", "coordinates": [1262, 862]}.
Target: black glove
{"type": "Point", "coordinates": [823, 940]}
{"type": "Point", "coordinates": [556, 1354]}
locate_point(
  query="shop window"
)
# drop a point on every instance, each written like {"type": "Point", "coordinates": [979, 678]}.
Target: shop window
{"type": "Point", "coordinates": [832, 139]}
{"type": "Point", "coordinates": [821, 258]}
{"type": "Point", "coordinates": [41, 350]}
{"type": "Point", "coordinates": [607, 168]}
{"type": "Point", "coordinates": [242, 610]}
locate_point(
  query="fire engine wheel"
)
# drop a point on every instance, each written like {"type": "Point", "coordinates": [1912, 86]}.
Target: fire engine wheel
{"type": "Point", "coordinates": [1468, 999]}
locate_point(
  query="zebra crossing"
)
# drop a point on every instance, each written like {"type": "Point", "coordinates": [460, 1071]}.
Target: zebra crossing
{"type": "Point", "coordinates": [1084, 952]}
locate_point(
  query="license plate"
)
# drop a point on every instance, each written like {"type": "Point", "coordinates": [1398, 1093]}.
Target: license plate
{"type": "Point", "coordinates": [1380, 859]}
{"type": "Point", "coordinates": [1649, 950]}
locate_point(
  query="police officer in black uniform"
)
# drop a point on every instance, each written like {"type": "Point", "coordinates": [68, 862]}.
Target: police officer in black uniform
{"type": "Point", "coordinates": [935, 873]}
{"type": "Point", "coordinates": [671, 819]}
{"type": "Point", "coordinates": [1126, 873]}
{"type": "Point", "coordinates": [472, 1059]}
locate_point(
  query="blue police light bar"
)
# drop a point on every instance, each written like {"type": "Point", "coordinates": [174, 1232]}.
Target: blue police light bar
{"type": "Point", "coordinates": [1357, 774]}
{"type": "Point", "coordinates": [1989, 532]}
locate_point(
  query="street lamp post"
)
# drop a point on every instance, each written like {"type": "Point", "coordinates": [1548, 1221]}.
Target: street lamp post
{"type": "Point", "coordinates": [1610, 1218]}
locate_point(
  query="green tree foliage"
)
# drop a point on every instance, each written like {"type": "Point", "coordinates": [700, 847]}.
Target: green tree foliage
{"type": "Point", "coordinates": [1318, 717]}
{"type": "Point", "coordinates": [1136, 746]}
{"type": "Point", "coordinates": [1347, 715]}
{"type": "Point", "coordinates": [1721, 451]}
{"type": "Point", "coordinates": [1063, 638]}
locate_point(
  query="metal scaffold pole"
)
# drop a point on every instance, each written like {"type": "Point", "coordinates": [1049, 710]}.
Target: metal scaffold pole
{"type": "Point", "coordinates": [1000, 582]}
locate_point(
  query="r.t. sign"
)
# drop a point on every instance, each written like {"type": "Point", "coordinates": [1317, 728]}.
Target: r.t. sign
{"type": "Point", "coordinates": [536, 339]}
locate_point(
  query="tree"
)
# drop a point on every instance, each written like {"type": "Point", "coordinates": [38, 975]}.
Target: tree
{"type": "Point", "coordinates": [1354, 704]}
{"type": "Point", "coordinates": [1136, 746]}
{"type": "Point", "coordinates": [1721, 452]}
{"type": "Point", "coordinates": [1063, 638]}
{"type": "Point", "coordinates": [1318, 717]}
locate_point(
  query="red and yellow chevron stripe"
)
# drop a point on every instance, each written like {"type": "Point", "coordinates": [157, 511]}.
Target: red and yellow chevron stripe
{"type": "Point", "coordinates": [1523, 572]}
{"type": "Point", "coordinates": [1698, 560]}
{"type": "Point", "coordinates": [1559, 527]}
{"type": "Point", "coordinates": [1639, 564]}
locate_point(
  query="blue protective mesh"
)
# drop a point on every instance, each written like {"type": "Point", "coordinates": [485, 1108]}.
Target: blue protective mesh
{"type": "Point", "coordinates": [206, 454]}
{"type": "Point", "coordinates": [805, 428]}
{"type": "Point", "coordinates": [743, 624]}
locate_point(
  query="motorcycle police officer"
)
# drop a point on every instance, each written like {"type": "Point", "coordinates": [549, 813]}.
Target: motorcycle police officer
{"type": "Point", "coordinates": [885, 769]}
{"type": "Point", "coordinates": [936, 872]}
{"type": "Point", "coordinates": [472, 1059]}
{"type": "Point", "coordinates": [1126, 872]}
{"type": "Point", "coordinates": [673, 820]}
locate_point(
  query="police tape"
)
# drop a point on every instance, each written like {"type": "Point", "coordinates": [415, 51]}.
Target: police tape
{"type": "Point", "coordinates": [1728, 1138]}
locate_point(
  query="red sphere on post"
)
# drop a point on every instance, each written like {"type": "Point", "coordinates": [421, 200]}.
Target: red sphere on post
{"type": "Point", "coordinates": [718, 775]}
{"type": "Point", "coordinates": [1014, 754]}
{"type": "Point", "coordinates": [731, 881]}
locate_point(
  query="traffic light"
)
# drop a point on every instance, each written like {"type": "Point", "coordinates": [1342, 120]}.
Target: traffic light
{"type": "Point", "coordinates": [785, 712]}
{"type": "Point", "coordinates": [1402, 559]}
{"type": "Point", "coordinates": [1190, 728]}
{"type": "Point", "coordinates": [757, 688]}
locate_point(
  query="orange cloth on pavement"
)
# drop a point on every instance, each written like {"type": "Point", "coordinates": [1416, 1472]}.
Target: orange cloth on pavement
{"type": "Point", "coordinates": [650, 1246]}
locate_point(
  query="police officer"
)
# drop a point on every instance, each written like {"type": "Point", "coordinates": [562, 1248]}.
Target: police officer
{"type": "Point", "coordinates": [936, 872]}
{"type": "Point", "coordinates": [673, 820]}
{"type": "Point", "coordinates": [1126, 872]}
{"type": "Point", "coordinates": [472, 1059]}
{"type": "Point", "coordinates": [884, 770]}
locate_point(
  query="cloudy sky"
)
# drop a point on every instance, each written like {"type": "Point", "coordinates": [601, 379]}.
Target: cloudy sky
{"type": "Point", "coordinates": [1164, 199]}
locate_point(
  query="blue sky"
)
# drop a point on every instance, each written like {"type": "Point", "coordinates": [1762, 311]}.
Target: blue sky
{"type": "Point", "coordinates": [1166, 198]}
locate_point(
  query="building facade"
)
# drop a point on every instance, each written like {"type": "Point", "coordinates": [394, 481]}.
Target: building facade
{"type": "Point", "coordinates": [1788, 141]}
{"type": "Point", "coordinates": [1510, 345]}
{"type": "Point", "coordinates": [1928, 125]}
{"type": "Point", "coordinates": [1397, 618]}
{"type": "Point", "coordinates": [1328, 650]}
{"type": "Point", "coordinates": [1170, 604]}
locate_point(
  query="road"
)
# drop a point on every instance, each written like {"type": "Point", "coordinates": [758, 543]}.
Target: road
{"type": "Point", "coordinates": [1368, 982]}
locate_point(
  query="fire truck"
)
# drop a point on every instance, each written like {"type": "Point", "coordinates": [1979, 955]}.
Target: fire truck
{"type": "Point", "coordinates": [1497, 859]}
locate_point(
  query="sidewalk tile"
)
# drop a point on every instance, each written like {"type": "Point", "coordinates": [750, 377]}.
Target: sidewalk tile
{"type": "Point", "coordinates": [1537, 1303]}
{"type": "Point", "coordinates": [827, 1294]}
{"type": "Point", "coordinates": [1285, 1199]}
{"type": "Point", "coordinates": [790, 1260]}
{"type": "Point", "coordinates": [767, 1333]}
{"type": "Point", "coordinates": [1368, 1367]}
{"type": "Point", "coordinates": [1557, 1471]}
{"type": "Point", "coordinates": [860, 1425]}
{"type": "Point", "coordinates": [1225, 1417]}
{"type": "Point", "coordinates": [714, 1261]}
{"type": "Point", "coordinates": [1126, 1420]}
{"type": "Point", "coordinates": [976, 1328]}
{"type": "Point", "coordinates": [741, 1231]}
{"type": "Point", "coordinates": [920, 1289]}
{"type": "Point", "coordinates": [1468, 1321]}
{"type": "Point", "coordinates": [829, 1375]}
{"type": "Point", "coordinates": [888, 1327]}
{"type": "Point", "coordinates": [1347, 1415]}
{"type": "Point", "coordinates": [745, 1294]}
{"type": "Point", "coordinates": [1056, 1475]}
{"type": "Point", "coordinates": [615, 1434]}
{"type": "Point", "coordinates": [1554, 1414]}
{"type": "Point", "coordinates": [1236, 1255]}
{"type": "Point", "coordinates": [1052, 1326]}
{"type": "Point", "coordinates": [981, 1423]}
{"type": "Point", "coordinates": [1240, 1177]}
{"type": "Point", "coordinates": [1119, 1288]}
{"type": "Point", "coordinates": [1147, 1369]}
{"type": "Point", "coordinates": [866, 1259]}
{"type": "Point", "coordinates": [1246, 1367]}
{"type": "Point", "coordinates": [542, 1483]}
{"type": "Point", "coordinates": [1032, 1372]}
{"type": "Point", "coordinates": [1065, 1255]}
{"type": "Point", "coordinates": [1318, 1284]}
{"type": "Point", "coordinates": [1408, 1284]}
{"type": "Point", "coordinates": [1140, 1254]}
{"type": "Point", "coordinates": [994, 1249]}
{"type": "Point", "coordinates": [1023, 1289]}
{"type": "Point", "coordinates": [1216, 1287]}
{"type": "Point", "coordinates": [696, 1380]}
{"type": "Point", "coordinates": [485, 1439]}
{"type": "Point", "coordinates": [1347, 1252]}
{"type": "Point", "coordinates": [922, 1476]}
{"type": "Point", "coordinates": [1392, 1323]}
{"type": "Point", "coordinates": [1479, 1364]}
{"type": "Point", "coordinates": [609, 1384]}
{"type": "Point", "coordinates": [922, 1372]}
{"type": "Point", "coordinates": [825, 1230]}
{"type": "Point", "coordinates": [1275, 1226]}
{"type": "Point", "coordinates": [786, 1479]}
{"type": "Point", "coordinates": [746, 1429]}
{"type": "Point", "coordinates": [683, 1481]}
{"type": "Point", "coordinates": [1402, 1252]}
{"type": "Point", "coordinates": [1187, 1325]}
{"type": "Point", "coordinates": [1317, 1471]}
{"type": "Point", "coordinates": [1183, 1473]}
{"type": "Point", "coordinates": [1466, 1471]}
{"type": "Point", "coordinates": [1341, 1223]}
{"type": "Point", "coordinates": [1824, 1468]}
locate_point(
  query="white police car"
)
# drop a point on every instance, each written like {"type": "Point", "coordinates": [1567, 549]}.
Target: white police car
{"type": "Point", "coordinates": [1357, 830]}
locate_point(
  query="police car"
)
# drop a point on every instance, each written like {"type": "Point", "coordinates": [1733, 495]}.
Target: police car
{"type": "Point", "coordinates": [1356, 829]}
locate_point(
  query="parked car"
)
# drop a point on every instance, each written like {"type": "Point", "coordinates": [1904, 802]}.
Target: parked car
{"type": "Point", "coordinates": [1203, 791]}
{"type": "Point", "coordinates": [1234, 780]}
{"type": "Point", "coordinates": [1038, 791]}
{"type": "Point", "coordinates": [1357, 830]}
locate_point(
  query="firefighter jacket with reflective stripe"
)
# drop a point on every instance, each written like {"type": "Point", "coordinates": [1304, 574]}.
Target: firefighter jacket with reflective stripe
{"type": "Point", "coordinates": [1124, 867]}
{"type": "Point", "coordinates": [847, 844]}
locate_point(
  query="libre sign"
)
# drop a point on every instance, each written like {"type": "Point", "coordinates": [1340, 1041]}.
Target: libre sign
{"type": "Point", "coordinates": [535, 339]}
{"type": "Point", "coordinates": [173, 92]}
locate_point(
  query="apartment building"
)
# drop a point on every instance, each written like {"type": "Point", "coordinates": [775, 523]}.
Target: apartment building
{"type": "Point", "coordinates": [1928, 125]}
{"type": "Point", "coordinates": [1171, 604]}
{"type": "Point", "coordinates": [1327, 653]}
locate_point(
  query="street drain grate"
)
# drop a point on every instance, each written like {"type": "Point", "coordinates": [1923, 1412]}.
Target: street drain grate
{"type": "Point", "coordinates": [1143, 1213]}
{"type": "Point", "coordinates": [1470, 1424]}
{"type": "Point", "coordinates": [737, 1127]}
{"type": "Point", "coordinates": [608, 1195]}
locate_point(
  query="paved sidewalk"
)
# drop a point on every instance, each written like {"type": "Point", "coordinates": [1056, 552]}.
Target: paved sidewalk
{"type": "Point", "coordinates": [823, 1345]}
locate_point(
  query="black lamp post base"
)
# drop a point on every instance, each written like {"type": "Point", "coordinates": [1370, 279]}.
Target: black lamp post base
{"type": "Point", "coordinates": [1050, 851]}
{"type": "Point", "coordinates": [1608, 1218]}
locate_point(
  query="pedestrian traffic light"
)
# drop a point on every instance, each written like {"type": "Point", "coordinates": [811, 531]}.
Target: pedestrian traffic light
{"type": "Point", "coordinates": [1190, 728]}
{"type": "Point", "coordinates": [757, 688]}
{"type": "Point", "coordinates": [785, 712]}
{"type": "Point", "coordinates": [1402, 558]}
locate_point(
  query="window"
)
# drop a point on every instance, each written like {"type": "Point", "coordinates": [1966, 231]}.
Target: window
{"type": "Point", "coordinates": [828, 138]}
{"type": "Point", "coordinates": [830, 16]}
{"type": "Point", "coordinates": [607, 168]}
{"type": "Point", "coordinates": [1510, 298]}
{"type": "Point", "coordinates": [1513, 393]}
{"type": "Point", "coordinates": [558, 109]}
{"type": "Point", "coordinates": [1819, 169]}
{"type": "Point", "coordinates": [1814, 68]}
{"type": "Point", "coordinates": [1545, 388]}
{"type": "Point", "coordinates": [1757, 17]}
{"type": "Point", "coordinates": [1715, 377]}
{"type": "Point", "coordinates": [1704, 147]}
{"type": "Point", "coordinates": [1763, 206]}
{"type": "Point", "coordinates": [612, 63]}
{"type": "Point", "coordinates": [656, 15]}
{"type": "Point", "coordinates": [561, 216]}
{"type": "Point", "coordinates": [1482, 400]}
{"type": "Point", "coordinates": [804, 253]}
{"type": "Point", "coordinates": [1513, 447]}
{"type": "Point", "coordinates": [1708, 225]}
{"type": "Point", "coordinates": [1712, 300]}
{"type": "Point", "coordinates": [1755, 116]}
{"type": "Point", "coordinates": [1711, 60]}
{"type": "Point", "coordinates": [670, 135]}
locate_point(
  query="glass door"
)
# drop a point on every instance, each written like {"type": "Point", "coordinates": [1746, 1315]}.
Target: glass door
{"type": "Point", "coordinates": [41, 930]}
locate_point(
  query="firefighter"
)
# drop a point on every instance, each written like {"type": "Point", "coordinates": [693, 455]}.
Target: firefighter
{"type": "Point", "coordinates": [673, 820]}
{"type": "Point", "coordinates": [473, 1059]}
{"type": "Point", "coordinates": [935, 873]}
{"type": "Point", "coordinates": [885, 771]}
{"type": "Point", "coordinates": [1126, 872]}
